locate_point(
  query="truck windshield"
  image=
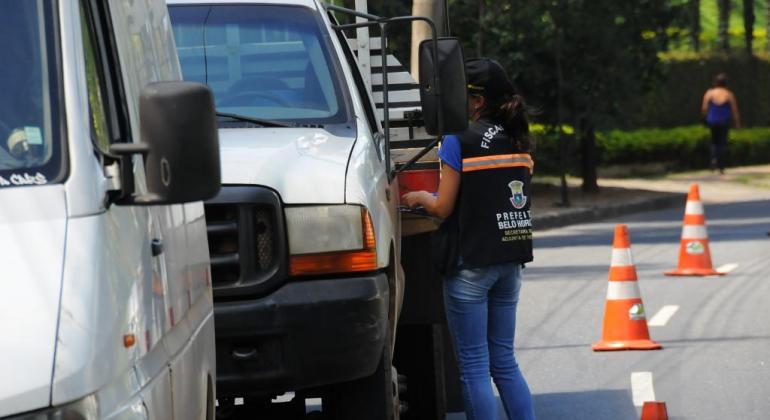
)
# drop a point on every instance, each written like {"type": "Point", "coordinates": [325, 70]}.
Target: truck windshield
{"type": "Point", "coordinates": [30, 135]}
{"type": "Point", "coordinates": [263, 61]}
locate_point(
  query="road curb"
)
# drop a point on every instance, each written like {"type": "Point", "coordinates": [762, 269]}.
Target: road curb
{"type": "Point", "coordinates": [571, 216]}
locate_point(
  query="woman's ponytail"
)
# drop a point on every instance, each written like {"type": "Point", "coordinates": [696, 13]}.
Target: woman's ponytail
{"type": "Point", "coordinates": [514, 116]}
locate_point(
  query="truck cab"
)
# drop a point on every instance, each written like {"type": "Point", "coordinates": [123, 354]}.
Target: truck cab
{"type": "Point", "coordinates": [106, 306]}
{"type": "Point", "coordinates": [305, 233]}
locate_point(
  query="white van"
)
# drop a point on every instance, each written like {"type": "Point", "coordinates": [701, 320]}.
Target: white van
{"type": "Point", "coordinates": [105, 156]}
{"type": "Point", "coordinates": [305, 234]}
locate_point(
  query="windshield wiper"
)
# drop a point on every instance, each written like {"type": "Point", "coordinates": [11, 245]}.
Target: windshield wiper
{"type": "Point", "coordinates": [258, 121]}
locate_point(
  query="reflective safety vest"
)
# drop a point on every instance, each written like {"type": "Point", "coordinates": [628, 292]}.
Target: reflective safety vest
{"type": "Point", "coordinates": [492, 211]}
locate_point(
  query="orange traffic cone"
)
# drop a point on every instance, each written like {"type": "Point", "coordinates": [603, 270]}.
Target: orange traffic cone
{"type": "Point", "coordinates": [625, 324]}
{"type": "Point", "coordinates": [654, 410]}
{"type": "Point", "coordinates": [694, 253]}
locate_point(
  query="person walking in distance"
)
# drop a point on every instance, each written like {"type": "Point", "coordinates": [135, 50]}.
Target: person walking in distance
{"type": "Point", "coordinates": [484, 199]}
{"type": "Point", "coordinates": [720, 109]}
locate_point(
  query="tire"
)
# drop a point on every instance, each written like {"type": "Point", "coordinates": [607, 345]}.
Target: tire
{"type": "Point", "coordinates": [370, 398]}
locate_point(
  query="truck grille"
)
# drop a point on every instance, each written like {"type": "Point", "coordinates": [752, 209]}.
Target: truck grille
{"type": "Point", "coordinates": [246, 245]}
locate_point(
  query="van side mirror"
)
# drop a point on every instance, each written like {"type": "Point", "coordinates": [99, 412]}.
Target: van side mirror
{"type": "Point", "coordinates": [179, 143]}
{"type": "Point", "coordinates": [447, 102]}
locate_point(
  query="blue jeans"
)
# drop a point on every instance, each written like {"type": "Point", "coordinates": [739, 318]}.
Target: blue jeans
{"type": "Point", "coordinates": [481, 312]}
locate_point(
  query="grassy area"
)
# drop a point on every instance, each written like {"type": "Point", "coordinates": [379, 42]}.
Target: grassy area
{"type": "Point", "coordinates": [754, 179]}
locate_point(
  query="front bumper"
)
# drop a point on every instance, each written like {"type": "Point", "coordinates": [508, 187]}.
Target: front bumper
{"type": "Point", "coordinates": [305, 334]}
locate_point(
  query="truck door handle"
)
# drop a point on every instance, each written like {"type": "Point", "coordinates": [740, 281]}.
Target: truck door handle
{"type": "Point", "coordinates": [157, 247]}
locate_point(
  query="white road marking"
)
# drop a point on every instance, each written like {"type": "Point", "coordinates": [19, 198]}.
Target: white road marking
{"type": "Point", "coordinates": [238, 401]}
{"type": "Point", "coordinates": [664, 314]}
{"type": "Point", "coordinates": [727, 268]}
{"type": "Point", "coordinates": [287, 397]}
{"type": "Point", "coordinates": [641, 388]}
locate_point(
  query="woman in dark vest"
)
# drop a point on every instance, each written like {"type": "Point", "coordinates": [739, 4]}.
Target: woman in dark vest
{"type": "Point", "coordinates": [484, 199]}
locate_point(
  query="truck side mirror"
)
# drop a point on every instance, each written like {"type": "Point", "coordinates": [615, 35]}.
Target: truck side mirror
{"type": "Point", "coordinates": [447, 102]}
{"type": "Point", "coordinates": [180, 145]}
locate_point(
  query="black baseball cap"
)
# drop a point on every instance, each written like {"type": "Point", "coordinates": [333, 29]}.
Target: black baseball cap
{"type": "Point", "coordinates": [486, 77]}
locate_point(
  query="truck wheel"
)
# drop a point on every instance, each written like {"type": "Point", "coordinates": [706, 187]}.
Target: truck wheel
{"type": "Point", "coordinates": [370, 398]}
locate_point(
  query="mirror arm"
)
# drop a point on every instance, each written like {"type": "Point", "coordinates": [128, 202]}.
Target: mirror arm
{"type": "Point", "coordinates": [356, 13]}
{"type": "Point", "coordinates": [125, 153]}
{"type": "Point", "coordinates": [385, 95]}
{"type": "Point", "coordinates": [415, 158]}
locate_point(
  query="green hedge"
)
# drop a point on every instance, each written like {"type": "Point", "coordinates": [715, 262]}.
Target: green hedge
{"type": "Point", "coordinates": [677, 148]}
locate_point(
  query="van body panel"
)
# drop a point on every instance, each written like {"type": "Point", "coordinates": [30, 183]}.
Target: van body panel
{"type": "Point", "coordinates": [157, 394]}
{"type": "Point", "coordinates": [105, 303]}
{"type": "Point", "coordinates": [135, 409]}
{"type": "Point", "coordinates": [193, 365]}
{"type": "Point", "coordinates": [146, 47]}
{"type": "Point", "coordinates": [104, 298]}
{"type": "Point", "coordinates": [305, 166]}
{"type": "Point", "coordinates": [112, 285]}
{"type": "Point", "coordinates": [33, 228]}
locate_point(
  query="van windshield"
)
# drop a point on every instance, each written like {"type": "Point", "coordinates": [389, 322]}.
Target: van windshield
{"type": "Point", "coordinates": [262, 61]}
{"type": "Point", "coordinates": [30, 137]}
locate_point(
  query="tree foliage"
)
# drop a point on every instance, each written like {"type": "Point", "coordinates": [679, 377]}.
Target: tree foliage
{"type": "Point", "coordinates": [576, 60]}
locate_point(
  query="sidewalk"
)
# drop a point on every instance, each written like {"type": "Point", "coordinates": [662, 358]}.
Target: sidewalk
{"type": "Point", "coordinates": [631, 195]}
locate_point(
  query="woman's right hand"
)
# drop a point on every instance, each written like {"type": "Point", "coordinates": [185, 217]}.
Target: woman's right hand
{"type": "Point", "coordinates": [415, 198]}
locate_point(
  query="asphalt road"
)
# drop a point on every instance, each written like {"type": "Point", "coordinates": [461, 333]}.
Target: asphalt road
{"type": "Point", "coordinates": [715, 361]}
{"type": "Point", "coordinates": [715, 331]}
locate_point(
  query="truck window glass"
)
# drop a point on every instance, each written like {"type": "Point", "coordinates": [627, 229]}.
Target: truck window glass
{"type": "Point", "coordinates": [265, 61]}
{"type": "Point", "coordinates": [94, 83]}
{"type": "Point", "coordinates": [30, 132]}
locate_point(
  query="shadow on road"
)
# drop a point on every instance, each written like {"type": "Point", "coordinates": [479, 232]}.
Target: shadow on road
{"type": "Point", "coordinates": [586, 405]}
{"type": "Point", "coordinates": [720, 218]}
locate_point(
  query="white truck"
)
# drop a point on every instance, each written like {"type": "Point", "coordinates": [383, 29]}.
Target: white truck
{"type": "Point", "coordinates": [106, 306]}
{"type": "Point", "coordinates": [305, 236]}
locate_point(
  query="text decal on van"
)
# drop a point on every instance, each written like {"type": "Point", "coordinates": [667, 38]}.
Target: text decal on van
{"type": "Point", "coordinates": [23, 179]}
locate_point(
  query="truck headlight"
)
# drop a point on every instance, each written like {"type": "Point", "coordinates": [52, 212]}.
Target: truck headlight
{"type": "Point", "coordinates": [330, 239]}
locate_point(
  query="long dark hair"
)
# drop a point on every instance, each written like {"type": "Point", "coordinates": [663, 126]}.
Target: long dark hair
{"type": "Point", "coordinates": [512, 112]}
{"type": "Point", "coordinates": [720, 80]}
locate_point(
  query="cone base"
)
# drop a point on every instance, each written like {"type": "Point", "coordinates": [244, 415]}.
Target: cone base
{"type": "Point", "coordinates": [654, 410]}
{"type": "Point", "coordinates": [700, 272]}
{"type": "Point", "coordinates": [605, 345]}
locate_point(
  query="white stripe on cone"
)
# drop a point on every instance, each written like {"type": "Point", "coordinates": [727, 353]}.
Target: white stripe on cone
{"type": "Point", "coordinates": [621, 290]}
{"type": "Point", "coordinates": [694, 208]}
{"type": "Point", "coordinates": [621, 257]}
{"type": "Point", "coordinates": [694, 232]}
